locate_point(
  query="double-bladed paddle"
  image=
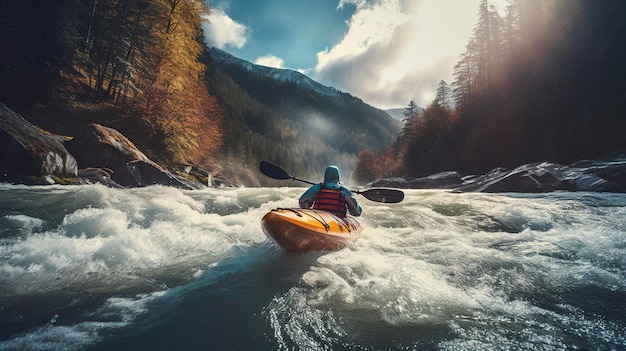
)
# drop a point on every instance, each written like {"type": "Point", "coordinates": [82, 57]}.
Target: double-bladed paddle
{"type": "Point", "coordinates": [375, 194]}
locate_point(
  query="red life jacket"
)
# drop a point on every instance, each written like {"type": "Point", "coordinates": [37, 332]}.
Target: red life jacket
{"type": "Point", "coordinates": [330, 200]}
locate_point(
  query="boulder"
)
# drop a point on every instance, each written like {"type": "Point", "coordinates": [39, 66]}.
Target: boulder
{"type": "Point", "coordinates": [31, 155]}
{"type": "Point", "coordinates": [608, 175]}
{"type": "Point", "coordinates": [98, 146]}
{"type": "Point", "coordinates": [531, 178]}
{"type": "Point", "coordinates": [97, 176]}
{"type": "Point", "coordinates": [443, 180]}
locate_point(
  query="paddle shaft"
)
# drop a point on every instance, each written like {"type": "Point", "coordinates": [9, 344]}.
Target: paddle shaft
{"type": "Point", "coordinates": [303, 180]}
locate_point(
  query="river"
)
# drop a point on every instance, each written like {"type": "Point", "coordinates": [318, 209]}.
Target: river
{"type": "Point", "coordinates": [157, 268]}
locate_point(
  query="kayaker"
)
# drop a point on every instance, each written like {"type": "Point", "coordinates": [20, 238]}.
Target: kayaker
{"type": "Point", "coordinates": [331, 196]}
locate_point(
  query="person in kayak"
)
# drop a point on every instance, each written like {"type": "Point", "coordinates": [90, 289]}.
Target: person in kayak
{"type": "Point", "coordinates": [331, 196]}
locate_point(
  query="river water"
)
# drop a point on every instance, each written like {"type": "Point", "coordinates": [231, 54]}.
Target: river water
{"type": "Point", "coordinates": [157, 268]}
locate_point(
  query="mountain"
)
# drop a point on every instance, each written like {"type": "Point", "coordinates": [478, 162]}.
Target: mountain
{"type": "Point", "coordinates": [278, 74]}
{"type": "Point", "coordinates": [285, 117]}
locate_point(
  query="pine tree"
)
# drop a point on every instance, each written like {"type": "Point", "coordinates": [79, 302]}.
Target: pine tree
{"type": "Point", "coordinates": [481, 65]}
{"type": "Point", "coordinates": [444, 95]}
{"type": "Point", "coordinates": [410, 112]}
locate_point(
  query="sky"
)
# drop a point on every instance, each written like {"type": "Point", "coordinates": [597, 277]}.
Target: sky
{"type": "Point", "coordinates": [386, 52]}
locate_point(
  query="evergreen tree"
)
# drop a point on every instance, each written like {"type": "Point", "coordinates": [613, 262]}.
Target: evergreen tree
{"type": "Point", "coordinates": [411, 111]}
{"type": "Point", "coordinates": [481, 66]}
{"type": "Point", "coordinates": [444, 95]}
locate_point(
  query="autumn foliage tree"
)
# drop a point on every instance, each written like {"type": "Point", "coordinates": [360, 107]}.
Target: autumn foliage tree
{"type": "Point", "coordinates": [178, 108]}
{"type": "Point", "coordinates": [367, 168]}
{"type": "Point", "coordinates": [145, 56]}
{"type": "Point", "coordinates": [140, 60]}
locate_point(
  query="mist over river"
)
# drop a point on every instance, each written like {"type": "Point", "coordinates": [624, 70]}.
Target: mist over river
{"type": "Point", "coordinates": [157, 268]}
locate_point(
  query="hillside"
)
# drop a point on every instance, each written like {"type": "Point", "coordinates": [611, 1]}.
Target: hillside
{"type": "Point", "coordinates": [285, 117]}
{"type": "Point", "coordinates": [133, 66]}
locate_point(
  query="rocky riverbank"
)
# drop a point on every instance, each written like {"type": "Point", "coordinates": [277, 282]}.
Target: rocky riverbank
{"type": "Point", "coordinates": [97, 154]}
{"type": "Point", "coordinates": [608, 175]}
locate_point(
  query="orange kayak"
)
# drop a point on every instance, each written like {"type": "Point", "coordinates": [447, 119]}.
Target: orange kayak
{"type": "Point", "coordinates": [303, 230]}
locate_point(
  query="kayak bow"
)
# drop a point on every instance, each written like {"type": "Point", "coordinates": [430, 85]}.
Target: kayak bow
{"type": "Point", "coordinates": [302, 230]}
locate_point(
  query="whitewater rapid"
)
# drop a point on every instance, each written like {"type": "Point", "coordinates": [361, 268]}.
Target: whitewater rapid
{"type": "Point", "coordinates": [90, 268]}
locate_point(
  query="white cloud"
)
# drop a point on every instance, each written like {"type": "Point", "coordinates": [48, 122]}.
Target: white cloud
{"type": "Point", "coordinates": [396, 51]}
{"type": "Point", "coordinates": [371, 24]}
{"type": "Point", "coordinates": [222, 31]}
{"type": "Point", "coordinates": [270, 61]}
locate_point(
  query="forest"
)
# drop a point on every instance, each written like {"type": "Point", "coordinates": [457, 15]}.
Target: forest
{"type": "Point", "coordinates": [134, 65]}
{"type": "Point", "coordinates": [543, 82]}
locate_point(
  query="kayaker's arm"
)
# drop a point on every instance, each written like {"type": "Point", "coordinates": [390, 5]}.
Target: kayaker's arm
{"type": "Point", "coordinates": [353, 206]}
{"type": "Point", "coordinates": [307, 199]}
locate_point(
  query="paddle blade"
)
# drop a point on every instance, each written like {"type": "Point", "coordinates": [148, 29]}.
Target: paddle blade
{"type": "Point", "coordinates": [273, 171]}
{"type": "Point", "coordinates": [390, 196]}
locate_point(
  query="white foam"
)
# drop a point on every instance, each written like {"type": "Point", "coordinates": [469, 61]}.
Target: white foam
{"type": "Point", "coordinates": [124, 232]}
{"type": "Point", "coordinates": [449, 266]}
{"type": "Point", "coordinates": [22, 223]}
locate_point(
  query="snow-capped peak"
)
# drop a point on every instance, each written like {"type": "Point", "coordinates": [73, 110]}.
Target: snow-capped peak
{"type": "Point", "coordinates": [279, 74]}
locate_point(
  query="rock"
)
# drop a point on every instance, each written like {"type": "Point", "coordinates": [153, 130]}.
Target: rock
{"type": "Point", "coordinates": [598, 176]}
{"type": "Point", "coordinates": [99, 146]}
{"type": "Point", "coordinates": [443, 180]}
{"type": "Point", "coordinates": [98, 175]}
{"type": "Point", "coordinates": [396, 182]}
{"type": "Point", "coordinates": [31, 155]}
{"type": "Point", "coordinates": [607, 175]}
{"type": "Point", "coordinates": [219, 182]}
{"type": "Point", "coordinates": [532, 178]}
